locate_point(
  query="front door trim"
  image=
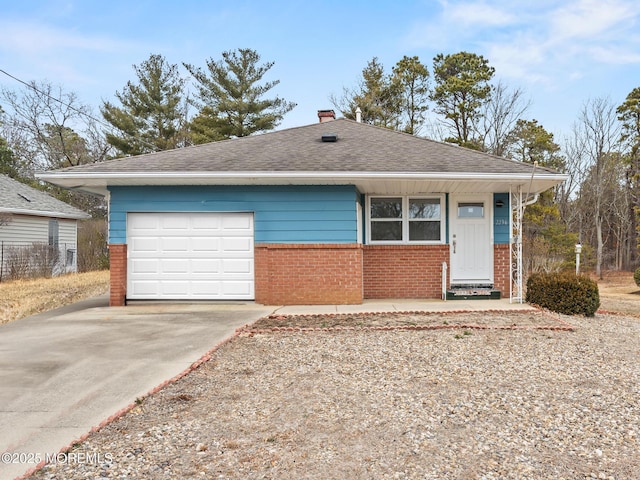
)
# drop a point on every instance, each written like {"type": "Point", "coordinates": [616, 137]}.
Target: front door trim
{"type": "Point", "coordinates": [471, 240]}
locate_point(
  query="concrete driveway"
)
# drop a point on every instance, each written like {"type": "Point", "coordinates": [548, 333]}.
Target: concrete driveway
{"type": "Point", "coordinates": [66, 371]}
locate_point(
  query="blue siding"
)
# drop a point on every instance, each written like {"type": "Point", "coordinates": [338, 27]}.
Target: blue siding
{"type": "Point", "coordinates": [282, 214]}
{"type": "Point", "coordinates": [501, 217]}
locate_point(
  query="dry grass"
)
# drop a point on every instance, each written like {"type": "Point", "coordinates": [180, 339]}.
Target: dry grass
{"type": "Point", "coordinates": [619, 293]}
{"type": "Point", "coordinates": [21, 298]}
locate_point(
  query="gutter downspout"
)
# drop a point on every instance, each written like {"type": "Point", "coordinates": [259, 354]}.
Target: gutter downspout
{"type": "Point", "coordinates": [533, 200]}
{"type": "Point", "coordinates": [536, 195]}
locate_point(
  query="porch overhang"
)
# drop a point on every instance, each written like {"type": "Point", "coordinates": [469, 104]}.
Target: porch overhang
{"type": "Point", "coordinates": [378, 183]}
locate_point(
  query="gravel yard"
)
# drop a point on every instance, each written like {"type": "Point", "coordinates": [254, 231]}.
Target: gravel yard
{"type": "Point", "coordinates": [364, 403]}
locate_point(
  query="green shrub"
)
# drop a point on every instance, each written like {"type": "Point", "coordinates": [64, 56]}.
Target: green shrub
{"type": "Point", "coordinates": [636, 276]}
{"type": "Point", "coordinates": [565, 293]}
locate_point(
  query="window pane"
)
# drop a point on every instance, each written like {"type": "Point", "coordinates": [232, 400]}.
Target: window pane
{"type": "Point", "coordinates": [386, 231]}
{"type": "Point", "coordinates": [53, 233]}
{"type": "Point", "coordinates": [386, 208]}
{"type": "Point", "coordinates": [424, 231]}
{"type": "Point", "coordinates": [424, 208]}
{"type": "Point", "coordinates": [470, 210]}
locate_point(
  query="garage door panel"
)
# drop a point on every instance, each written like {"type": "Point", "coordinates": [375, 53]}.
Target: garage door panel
{"type": "Point", "coordinates": [237, 266]}
{"type": "Point", "coordinates": [235, 289]}
{"type": "Point", "coordinates": [143, 223]}
{"type": "Point", "coordinates": [236, 244]}
{"type": "Point", "coordinates": [206, 288]}
{"type": "Point", "coordinates": [175, 288]}
{"type": "Point", "coordinates": [237, 223]}
{"type": "Point", "coordinates": [175, 244]}
{"type": "Point", "coordinates": [145, 244]}
{"type": "Point", "coordinates": [146, 288]}
{"type": "Point", "coordinates": [144, 266]}
{"type": "Point", "coordinates": [176, 265]}
{"type": "Point", "coordinates": [190, 255]}
{"type": "Point", "coordinates": [206, 222]}
{"type": "Point", "coordinates": [205, 244]}
{"type": "Point", "coordinates": [174, 223]}
{"type": "Point", "coordinates": [206, 266]}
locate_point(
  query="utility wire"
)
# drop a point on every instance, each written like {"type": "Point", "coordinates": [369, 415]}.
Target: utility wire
{"type": "Point", "coordinates": [71, 107]}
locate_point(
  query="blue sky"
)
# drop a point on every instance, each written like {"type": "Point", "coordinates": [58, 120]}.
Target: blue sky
{"type": "Point", "coordinates": [560, 53]}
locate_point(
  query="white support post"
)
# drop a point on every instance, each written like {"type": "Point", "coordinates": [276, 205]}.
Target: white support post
{"type": "Point", "coordinates": [516, 293]}
{"type": "Point", "coordinates": [444, 281]}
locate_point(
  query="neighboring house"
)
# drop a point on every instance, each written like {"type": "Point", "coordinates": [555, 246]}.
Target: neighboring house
{"type": "Point", "coordinates": [330, 213]}
{"type": "Point", "coordinates": [37, 231]}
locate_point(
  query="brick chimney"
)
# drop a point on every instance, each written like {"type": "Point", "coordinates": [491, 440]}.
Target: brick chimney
{"type": "Point", "coordinates": [326, 115]}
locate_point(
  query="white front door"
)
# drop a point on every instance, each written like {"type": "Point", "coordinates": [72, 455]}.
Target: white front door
{"type": "Point", "coordinates": [471, 239]}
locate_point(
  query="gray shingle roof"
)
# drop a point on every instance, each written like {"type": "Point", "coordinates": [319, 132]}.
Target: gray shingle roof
{"type": "Point", "coordinates": [16, 197]}
{"type": "Point", "coordinates": [359, 148]}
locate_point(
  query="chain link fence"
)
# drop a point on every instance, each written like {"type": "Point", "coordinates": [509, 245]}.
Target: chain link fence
{"type": "Point", "coordinates": [33, 260]}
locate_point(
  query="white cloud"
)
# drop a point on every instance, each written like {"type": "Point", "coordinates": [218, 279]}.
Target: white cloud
{"type": "Point", "coordinates": [81, 62]}
{"type": "Point", "coordinates": [615, 55]}
{"type": "Point", "coordinates": [478, 15]}
{"type": "Point", "coordinates": [545, 43]}
{"type": "Point", "coordinates": [457, 22]}
{"type": "Point", "coordinates": [591, 19]}
{"type": "Point", "coordinates": [35, 39]}
{"type": "Point", "coordinates": [520, 59]}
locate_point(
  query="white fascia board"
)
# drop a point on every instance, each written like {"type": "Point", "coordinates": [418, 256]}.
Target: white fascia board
{"type": "Point", "coordinates": [40, 213]}
{"type": "Point", "coordinates": [98, 183]}
{"type": "Point", "coordinates": [137, 178]}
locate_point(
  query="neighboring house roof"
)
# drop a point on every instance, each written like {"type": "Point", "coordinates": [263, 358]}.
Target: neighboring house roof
{"type": "Point", "coordinates": [18, 198]}
{"type": "Point", "coordinates": [373, 158]}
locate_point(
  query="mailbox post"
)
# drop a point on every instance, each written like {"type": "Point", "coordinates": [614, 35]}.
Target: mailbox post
{"type": "Point", "coordinates": [578, 251]}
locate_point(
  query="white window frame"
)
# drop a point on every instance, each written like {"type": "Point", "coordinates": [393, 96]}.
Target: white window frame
{"type": "Point", "coordinates": [54, 233]}
{"type": "Point", "coordinates": [405, 220]}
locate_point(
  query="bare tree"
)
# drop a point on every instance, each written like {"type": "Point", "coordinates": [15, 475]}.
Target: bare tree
{"type": "Point", "coordinates": [622, 230]}
{"type": "Point", "coordinates": [569, 190]}
{"type": "Point", "coordinates": [434, 129]}
{"type": "Point", "coordinates": [499, 117]}
{"type": "Point", "coordinates": [629, 115]}
{"type": "Point", "coordinates": [593, 146]}
{"type": "Point", "coordinates": [47, 127]}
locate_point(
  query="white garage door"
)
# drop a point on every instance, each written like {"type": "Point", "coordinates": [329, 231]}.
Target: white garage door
{"type": "Point", "coordinates": [192, 256]}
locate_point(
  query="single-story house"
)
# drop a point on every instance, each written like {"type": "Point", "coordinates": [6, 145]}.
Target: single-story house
{"type": "Point", "coordinates": [330, 213]}
{"type": "Point", "coordinates": [33, 225]}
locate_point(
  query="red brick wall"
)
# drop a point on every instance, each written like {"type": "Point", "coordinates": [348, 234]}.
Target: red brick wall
{"type": "Point", "coordinates": [316, 274]}
{"type": "Point", "coordinates": [118, 274]}
{"type": "Point", "coordinates": [404, 271]}
{"type": "Point", "coordinates": [308, 274]}
{"type": "Point", "coordinates": [502, 268]}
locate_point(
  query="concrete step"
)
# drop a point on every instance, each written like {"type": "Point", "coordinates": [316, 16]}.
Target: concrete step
{"type": "Point", "coordinates": [473, 293]}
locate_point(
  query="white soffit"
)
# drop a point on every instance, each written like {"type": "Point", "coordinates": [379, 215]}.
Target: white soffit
{"type": "Point", "coordinates": [367, 182]}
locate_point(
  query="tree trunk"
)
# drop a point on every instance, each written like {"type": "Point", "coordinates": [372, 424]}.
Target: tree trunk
{"type": "Point", "coordinates": [599, 248]}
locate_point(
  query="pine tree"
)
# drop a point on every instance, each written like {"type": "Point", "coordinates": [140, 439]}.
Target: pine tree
{"type": "Point", "coordinates": [413, 80]}
{"type": "Point", "coordinates": [152, 115]}
{"type": "Point", "coordinates": [461, 87]}
{"type": "Point", "coordinates": [231, 99]}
